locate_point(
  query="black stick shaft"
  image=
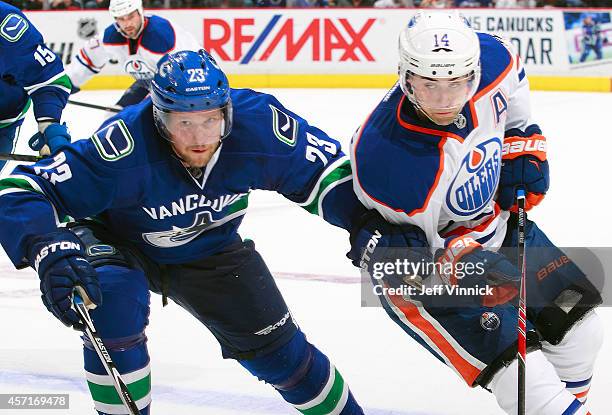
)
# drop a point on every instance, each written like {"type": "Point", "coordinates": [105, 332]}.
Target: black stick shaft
{"type": "Point", "coordinates": [94, 106]}
{"type": "Point", "coordinates": [23, 157]}
{"type": "Point", "coordinates": [107, 362]}
{"type": "Point", "coordinates": [19, 157]}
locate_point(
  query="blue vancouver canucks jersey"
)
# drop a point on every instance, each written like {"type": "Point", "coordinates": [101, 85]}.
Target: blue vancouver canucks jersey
{"type": "Point", "coordinates": [28, 69]}
{"type": "Point", "coordinates": [127, 175]}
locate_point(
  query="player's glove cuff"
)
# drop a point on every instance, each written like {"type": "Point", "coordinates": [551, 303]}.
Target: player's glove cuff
{"type": "Point", "coordinates": [524, 165]}
{"type": "Point", "coordinates": [534, 145]}
{"type": "Point", "coordinates": [48, 142]}
{"type": "Point", "coordinates": [45, 250]}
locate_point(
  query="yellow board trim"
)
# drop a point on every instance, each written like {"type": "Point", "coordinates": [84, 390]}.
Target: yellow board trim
{"type": "Point", "coordinates": [538, 83]}
{"type": "Point", "coordinates": [568, 83]}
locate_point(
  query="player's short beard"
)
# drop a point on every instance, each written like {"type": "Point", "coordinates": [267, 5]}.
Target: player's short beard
{"type": "Point", "coordinates": [136, 32]}
{"type": "Point", "coordinates": [197, 162]}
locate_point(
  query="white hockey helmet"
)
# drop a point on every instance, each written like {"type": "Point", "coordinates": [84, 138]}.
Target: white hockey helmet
{"type": "Point", "coordinates": [118, 8]}
{"type": "Point", "coordinates": [439, 45]}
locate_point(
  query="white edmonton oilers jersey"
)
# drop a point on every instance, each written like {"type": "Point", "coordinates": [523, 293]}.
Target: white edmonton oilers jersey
{"type": "Point", "coordinates": [443, 179]}
{"type": "Point", "coordinates": [137, 57]}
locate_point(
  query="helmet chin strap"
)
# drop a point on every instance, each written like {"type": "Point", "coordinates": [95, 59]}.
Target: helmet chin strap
{"type": "Point", "coordinates": [142, 25]}
{"type": "Point", "coordinates": [423, 114]}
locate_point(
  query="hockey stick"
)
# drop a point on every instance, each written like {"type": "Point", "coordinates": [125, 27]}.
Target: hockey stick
{"type": "Point", "coordinates": [521, 354]}
{"type": "Point", "coordinates": [107, 362]}
{"type": "Point", "coordinates": [24, 157]}
{"type": "Point", "coordinates": [19, 157]}
{"type": "Point", "coordinates": [95, 106]}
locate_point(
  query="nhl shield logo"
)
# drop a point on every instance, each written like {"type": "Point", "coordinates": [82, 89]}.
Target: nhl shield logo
{"type": "Point", "coordinates": [87, 27]}
{"type": "Point", "coordinates": [489, 321]}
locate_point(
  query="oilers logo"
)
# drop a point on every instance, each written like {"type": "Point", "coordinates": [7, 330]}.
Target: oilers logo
{"type": "Point", "coordinates": [139, 69]}
{"type": "Point", "coordinates": [489, 321]}
{"type": "Point", "coordinates": [476, 180]}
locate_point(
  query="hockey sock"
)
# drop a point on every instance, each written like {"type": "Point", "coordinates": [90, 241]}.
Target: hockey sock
{"type": "Point", "coordinates": [574, 357]}
{"type": "Point", "coordinates": [305, 378]}
{"type": "Point", "coordinates": [545, 393]}
{"type": "Point", "coordinates": [133, 364]}
{"type": "Point", "coordinates": [121, 321]}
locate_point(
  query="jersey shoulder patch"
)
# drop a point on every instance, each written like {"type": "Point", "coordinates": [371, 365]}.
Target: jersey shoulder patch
{"type": "Point", "coordinates": [263, 124]}
{"type": "Point", "coordinates": [13, 27]}
{"type": "Point", "coordinates": [113, 37]}
{"type": "Point", "coordinates": [383, 155]}
{"type": "Point", "coordinates": [114, 141]}
{"type": "Point", "coordinates": [158, 35]}
{"type": "Point", "coordinates": [495, 60]}
{"type": "Point", "coordinates": [284, 126]}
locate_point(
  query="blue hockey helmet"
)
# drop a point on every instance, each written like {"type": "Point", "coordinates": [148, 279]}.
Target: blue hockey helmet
{"type": "Point", "coordinates": [190, 82]}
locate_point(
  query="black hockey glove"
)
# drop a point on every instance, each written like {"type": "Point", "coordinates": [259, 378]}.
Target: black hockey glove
{"type": "Point", "coordinates": [59, 259]}
{"type": "Point", "coordinates": [372, 237]}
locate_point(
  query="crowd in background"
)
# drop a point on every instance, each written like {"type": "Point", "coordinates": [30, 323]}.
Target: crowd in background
{"type": "Point", "coordinates": [103, 4]}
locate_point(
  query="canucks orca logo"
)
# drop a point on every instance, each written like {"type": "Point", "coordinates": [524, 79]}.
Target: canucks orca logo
{"type": "Point", "coordinates": [180, 236]}
{"type": "Point", "coordinates": [476, 181]}
{"type": "Point", "coordinates": [139, 69]}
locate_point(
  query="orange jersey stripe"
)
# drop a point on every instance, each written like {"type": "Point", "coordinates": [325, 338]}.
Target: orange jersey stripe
{"type": "Point", "coordinates": [468, 372]}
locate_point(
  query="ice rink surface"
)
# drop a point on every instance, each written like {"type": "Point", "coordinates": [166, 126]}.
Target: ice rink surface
{"type": "Point", "coordinates": [387, 371]}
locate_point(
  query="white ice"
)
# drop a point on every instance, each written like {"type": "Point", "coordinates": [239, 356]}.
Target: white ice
{"type": "Point", "coordinates": [387, 371]}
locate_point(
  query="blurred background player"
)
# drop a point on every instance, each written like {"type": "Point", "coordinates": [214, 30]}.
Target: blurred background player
{"type": "Point", "coordinates": [591, 39]}
{"type": "Point", "coordinates": [170, 180]}
{"type": "Point", "coordinates": [442, 156]}
{"type": "Point", "coordinates": [30, 74]}
{"type": "Point", "coordinates": [136, 42]}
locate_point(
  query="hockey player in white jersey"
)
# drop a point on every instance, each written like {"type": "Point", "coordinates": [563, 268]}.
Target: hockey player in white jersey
{"type": "Point", "coordinates": [136, 41]}
{"type": "Point", "coordinates": [441, 156]}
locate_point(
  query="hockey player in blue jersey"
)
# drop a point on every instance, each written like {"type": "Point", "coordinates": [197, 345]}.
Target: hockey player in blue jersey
{"type": "Point", "coordinates": [166, 183]}
{"type": "Point", "coordinates": [136, 42]}
{"type": "Point", "coordinates": [440, 158]}
{"type": "Point", "coordinates": [592, 40]}
{"type": "Point", "coordinates": [30, 75]}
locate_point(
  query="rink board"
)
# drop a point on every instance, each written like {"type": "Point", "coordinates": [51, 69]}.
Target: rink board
{"type": "Point", "coordinates": [352, 48]}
